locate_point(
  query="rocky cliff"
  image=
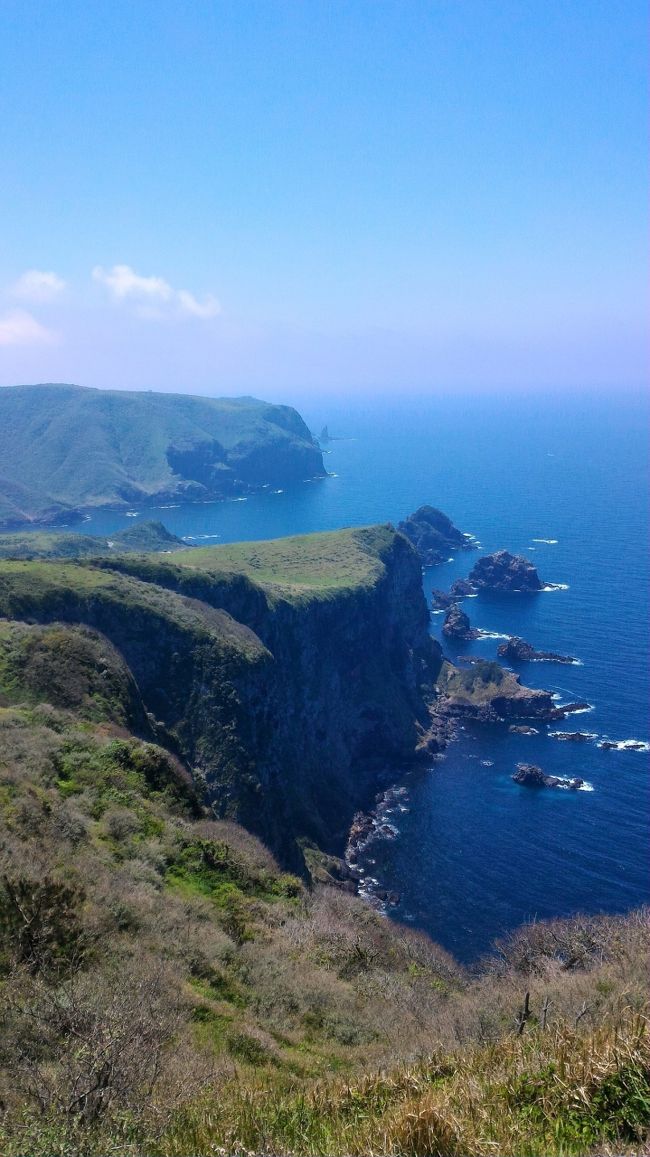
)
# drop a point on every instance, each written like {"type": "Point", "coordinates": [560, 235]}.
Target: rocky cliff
{"type": "Point", "coordinates": [284, 697]}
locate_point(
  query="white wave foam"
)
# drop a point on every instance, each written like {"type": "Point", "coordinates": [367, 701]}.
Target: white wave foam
{"type": "Point", "coordinates": [208, 536]}
{"type": "Point", "coordinates": [566, 786]}
{"type": "Point", "coordinates": [555, 587]}
{"type": "Point", "coordinates": [548, 541]}
{"type": "Point", "coordinates": [132, 513]}
{"type": "Point", "coordinates": [565, 736]}
{"type": "Point", "coordinates": [491, 634]}
{"type": "Point", "coordinates": [626, 744]}
{"type": "Point", "coordinates": [437, 612]}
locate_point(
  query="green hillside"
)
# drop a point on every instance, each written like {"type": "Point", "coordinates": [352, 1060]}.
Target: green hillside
{"type": "Point", "coordinates": [166, 989]}
{"type": "Point", "coordinates": [144, 536]}
{"type": "Point", "coordinates": [64, 448]}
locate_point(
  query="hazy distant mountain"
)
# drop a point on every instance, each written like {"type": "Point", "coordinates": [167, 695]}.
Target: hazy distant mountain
{"type": "Point", "coordinates": [66, 448]}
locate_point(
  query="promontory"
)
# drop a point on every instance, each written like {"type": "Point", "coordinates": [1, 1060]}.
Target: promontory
{"type": "Point", "coordinates": [66, 449]}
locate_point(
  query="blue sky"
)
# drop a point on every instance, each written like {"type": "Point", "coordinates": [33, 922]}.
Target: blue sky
{"type": "Point", "coordinates": [290, 197]}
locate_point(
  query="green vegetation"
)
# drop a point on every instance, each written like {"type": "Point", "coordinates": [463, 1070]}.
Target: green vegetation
{"type": "Point", "coordinates": [64, 448]}
{"type": "Point", "coordinates": [166, 986]}
{"type": "Point", "coordinates": [144, 536]}
{"type": "Point", "coordinates": [304, 565]}
{"type": "Point", "coordinates": [478, 684]}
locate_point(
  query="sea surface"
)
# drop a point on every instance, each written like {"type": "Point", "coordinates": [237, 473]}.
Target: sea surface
{"type": "Point", "coordinates": [563, 480]}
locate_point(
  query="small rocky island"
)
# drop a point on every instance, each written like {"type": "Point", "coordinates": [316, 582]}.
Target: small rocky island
{"type": "Point", "coordinates": [457, 625]}
{"type": "Point", "coordinates": [459, 589]}
{"type": "Point", "coordinates": [506, 572]}
{"type": "Point", "coordinates": [517, 650]}
{"type": "Point", "coordinates": [530, 775]}
{"type": "Point", "coordinates": [434, 535]}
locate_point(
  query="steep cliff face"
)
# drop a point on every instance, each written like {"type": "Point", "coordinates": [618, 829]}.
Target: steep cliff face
{"type": "Point", "coordinates": [283, 698]}
{"type": "Point", "coordinates": [353, 671]}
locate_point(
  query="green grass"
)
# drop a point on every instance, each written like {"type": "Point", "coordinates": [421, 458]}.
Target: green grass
{"type": "Point", "coordinates": [479, 684]}
{"type": "Point", "coordinates": [47, 590]}
{"type": "Point", "coordinates": [34, 544]}
{"type": "Point", "coordinates": [304, 564]}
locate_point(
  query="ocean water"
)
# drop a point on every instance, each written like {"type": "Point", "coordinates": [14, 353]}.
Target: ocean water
{"type": "Point", "coordinates": [563, 480]}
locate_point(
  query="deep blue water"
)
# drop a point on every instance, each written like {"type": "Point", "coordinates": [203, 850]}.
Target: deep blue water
{"type": "Point", "coordinates": [476, 854]}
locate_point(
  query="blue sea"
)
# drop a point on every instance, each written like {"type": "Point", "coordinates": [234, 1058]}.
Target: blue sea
{"type": "Point", "coordinates": [563, 480]}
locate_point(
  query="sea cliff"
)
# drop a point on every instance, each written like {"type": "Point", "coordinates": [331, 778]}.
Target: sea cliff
{"type": "Point", "coordinates": [286, 697]}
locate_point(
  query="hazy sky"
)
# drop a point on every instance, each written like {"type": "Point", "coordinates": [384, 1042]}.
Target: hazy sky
{"type": "Point", "coordinates": [275, 197]}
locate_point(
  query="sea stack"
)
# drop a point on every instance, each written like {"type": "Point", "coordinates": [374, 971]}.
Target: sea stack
{"type": "Point", "coordinates": [507, 572]}
{"type": "Point", "coordinates": [433, 535]}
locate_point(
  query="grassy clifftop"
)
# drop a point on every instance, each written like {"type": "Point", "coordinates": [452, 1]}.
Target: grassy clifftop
{"type": "Point", "coordinates": [64, 448]}
{"type": "Point", "coordinates": [304, 565]}
{"type": "Point", "coordinates": [285, 693]}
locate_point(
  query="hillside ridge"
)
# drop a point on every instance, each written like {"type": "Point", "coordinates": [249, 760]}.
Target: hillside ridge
{"type": "Point", "coordinates": [66, 449]}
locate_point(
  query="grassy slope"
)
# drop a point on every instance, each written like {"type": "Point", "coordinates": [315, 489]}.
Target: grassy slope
{"type": "Point", "coordinates": [166, 989]}
{"type": "Point", "coordinates": [177, 992]}
{"type": "Point", "coordinates": [78, 447]}
{"type": "Point", "coordinates": [145, 536]}
{"type": "Point", "coordinates": [301, 566]}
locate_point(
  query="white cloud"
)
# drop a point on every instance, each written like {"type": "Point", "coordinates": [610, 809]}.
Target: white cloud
{"type": "Point", "coordinates": [210, 307]}
{"type": "Point", "coordinates": [154, 297]}
{"type": "Point", "coordinates": [38, 285]}
{"type": "Point", "coordinates": [19, 328]}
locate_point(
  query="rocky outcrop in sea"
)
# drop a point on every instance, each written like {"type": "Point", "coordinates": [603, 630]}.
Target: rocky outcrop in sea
{"type": "Point", "coordinates": [457, 625]}
{"type": "Point", "coordinates": [517, 650]}
{"type": "Point", "coordinates": [502, 571]}
{"type": "Point", "coordinates": [434, 535]}
{"type": "Point", "coordinates": [530, 775]}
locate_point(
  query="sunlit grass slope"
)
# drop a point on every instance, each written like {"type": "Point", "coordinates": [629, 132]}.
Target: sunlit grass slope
{"type": "Point", "coordinates": [304, 563]}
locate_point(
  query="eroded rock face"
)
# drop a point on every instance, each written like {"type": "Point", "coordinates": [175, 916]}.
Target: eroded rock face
{"type": "Point", "coordinates": [457, 624]}
{"type": "Point", "coordinates": [503, 571]}
{"type": "Point", "coordinates": [433, 535]}
{"type": "Point", "coordinates": [530, 775]}
{"type": "Point", "coordinates": [517, 650]}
